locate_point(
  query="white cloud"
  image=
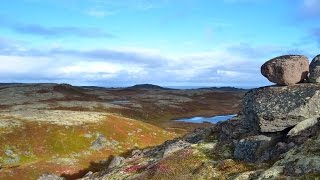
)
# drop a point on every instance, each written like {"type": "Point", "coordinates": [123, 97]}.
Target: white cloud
{"type": "Point", "coordinates": [225, 65]}
{"type": "Point", "coordinates": [92, 67]}
{"type": "Point", "coordinates": [23, 65]}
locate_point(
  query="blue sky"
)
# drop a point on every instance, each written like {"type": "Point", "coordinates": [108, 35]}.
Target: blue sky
{"type": "Point", "coordinates": [165, 42]}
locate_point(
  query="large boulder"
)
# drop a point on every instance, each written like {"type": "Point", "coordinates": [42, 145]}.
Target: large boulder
{"type": "Point", "coordinates": [286, 70]}
{"type": "Point", "coordinates": [275, 108]}
{"type": "Point", "coordinates": [314, 67]}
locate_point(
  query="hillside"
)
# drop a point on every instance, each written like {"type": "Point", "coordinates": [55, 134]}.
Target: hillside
{"type": "Point", "coordinates": [34, 147]}
{"type": "Point", "coordinates": [241, 148]}
{"type": "Point", "coordinates": [71, 130]}
{"type": "Point", "coordinates": [275, 136]}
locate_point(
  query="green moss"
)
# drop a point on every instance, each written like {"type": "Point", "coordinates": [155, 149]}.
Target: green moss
{"type": "Point", "coordinates": [66, 141]}
{"type": "Point", "coordinates": [310, 177]}
{"type": "Point", "coordinates": [37, 144]}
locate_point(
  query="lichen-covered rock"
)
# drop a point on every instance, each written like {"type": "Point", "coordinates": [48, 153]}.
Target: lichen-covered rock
{"type": "Point", "coordinates": [302, 126]}
{"type": "Point", "coordinates": [50, 176]}
{"type": "Point", "coordinates": [136, 154]}
{"type": "Point", "coordinates": [275, 108]}
{"type": "Point", "coordinates": [286, 70]}
{"type": "Point", "coordinates": [304, 135]}
{"type": "Point", "coordinates": [178, 145]}
{"type": "Point", "coordinates": [170, 146]}
{"type": "Point", "coordinates": [314, 68]}
{"type": "Point", "coordinates": [251, 148]}
{"type": "Point", "coordinates": [271, 173]}
{"type": "Point", "coordinates": [235, 128]}
{"type": "Point", "coordinates": [116, 161]}
{"type": "Point", "coordinates": [99, 143]}
{"type": "Point", "coordinates": [302, 159]}
{"type": "Point", "coordinates": [247, 175]}
{"type": "Point", "coordinates": [198, 135]}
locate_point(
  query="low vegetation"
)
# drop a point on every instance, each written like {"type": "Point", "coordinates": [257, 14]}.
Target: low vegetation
{"type": "Point", "coordinates": [71, 130]}
{"type": "Point", "coordinates": [34, 148]}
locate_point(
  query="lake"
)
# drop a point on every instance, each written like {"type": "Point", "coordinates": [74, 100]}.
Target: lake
{"type": "Point", "coordinates": [213, 120]}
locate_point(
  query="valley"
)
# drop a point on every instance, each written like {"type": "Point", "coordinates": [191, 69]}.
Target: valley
{"type": "Point", "coordinates": [71, 130]}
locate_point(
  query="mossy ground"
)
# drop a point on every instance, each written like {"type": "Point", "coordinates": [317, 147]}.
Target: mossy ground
{"type": "Point", "coordinates": [195, 162]}
{"type": "Point", "coordinates": [43, 147]}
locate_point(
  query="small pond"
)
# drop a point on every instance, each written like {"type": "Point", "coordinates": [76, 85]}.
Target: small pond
{"type": "Point", "coordinates": [212, 120]}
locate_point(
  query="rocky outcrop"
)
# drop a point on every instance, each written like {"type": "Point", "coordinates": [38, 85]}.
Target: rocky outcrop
{"type": "Point", "coordinates": [174, 147]}
{"type": "Point", "coordinates": [275, 108]}
{"type": "Point", "coordinates": [314, 68]}
{"type": "Point", "coordinates": [251, 148]}
{"type": "Point", "coordinates": [302, 160]}
{"type": "Point", "coordinates": [286, 70]}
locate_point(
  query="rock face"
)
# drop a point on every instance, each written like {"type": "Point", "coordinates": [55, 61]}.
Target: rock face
{"type": "Point", "coordinates": [314, 67]}
{"type": "Point", "coordinates": [274, 108]}
{"type": "Point", "coordinates": [251, 148]}
{"type": "Point", "coordinates": [286, 70]}
{"type": "Point", "coordinates": [302, 159]}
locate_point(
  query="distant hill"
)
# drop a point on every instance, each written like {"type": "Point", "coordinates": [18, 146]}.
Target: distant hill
{"type": "Point", "coordinates": [227, 88]}
{"type": "Point", "coordinates": [147, 86]}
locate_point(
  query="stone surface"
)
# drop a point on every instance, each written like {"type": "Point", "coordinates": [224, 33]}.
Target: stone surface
{"type": "Point", "coordinates": [116, 161]}
{"type": "Point", "coordinates": [99, 143]}
{"type": "Point", "coordinates": [275, 108]}
{"type": "Point", "coordinates": [303, 125]}
{"type": "Point", "coordinates": [197, 135]}
{"type": "Point", "coordinates": [236, 128]}
{"type": "Point", "coordinates": [174, 147]}
{"type": "Point", "coordinates": [251, 148]}
{"type": "Point", "coordinates": [304, 135]}
{"type": "Point", "coordinates": [246, 175]}
{"type": "Point", "coordinates": [137, 153]}
{"type": "Point", "coordinates": [303, 159]}
{"type": "Point", "coordinates": [314, 68]}
{"type": "Point", "coordinates": [286, 70]}
{"type": "Point", "coordinates": [50, 176]}
{"type": "Point", "coordinates": [272, 173]}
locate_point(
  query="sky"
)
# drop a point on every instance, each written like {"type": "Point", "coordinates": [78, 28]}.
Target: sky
{"type": "Point", "coordinates": [164, 42]}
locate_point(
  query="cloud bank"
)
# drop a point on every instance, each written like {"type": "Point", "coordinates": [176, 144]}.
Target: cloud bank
{"type": "Point", "coordinates": [232, 65]}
